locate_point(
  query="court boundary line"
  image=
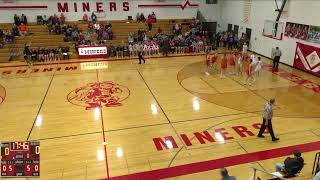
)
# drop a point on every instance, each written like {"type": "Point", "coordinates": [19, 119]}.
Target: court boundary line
{"type": "Point", "coordinates": [209, 165]}
{"type": "Point", "coordinates": [42, 102]}
{"type": "Point", "coordinates": [103, 131]}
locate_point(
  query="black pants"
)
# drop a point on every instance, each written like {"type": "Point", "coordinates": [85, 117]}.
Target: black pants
{"type": "Point", "coordinates": [276, 61]}
{"type": "Point", "coordinates": [269, 126]}
{"type": "Point", "coordinates": [141, 57]}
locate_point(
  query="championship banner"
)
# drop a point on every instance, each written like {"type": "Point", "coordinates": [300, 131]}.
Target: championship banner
{"type": "Point", "coordinates": [314, 34]}
{"type": "Point", "coordinates": [92, 51]}
{"type": "Point", "coordinates": [307, 58]}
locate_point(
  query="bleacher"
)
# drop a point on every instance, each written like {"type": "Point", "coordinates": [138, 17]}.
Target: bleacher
{"type": "Point", "coordinates": [39, 36]}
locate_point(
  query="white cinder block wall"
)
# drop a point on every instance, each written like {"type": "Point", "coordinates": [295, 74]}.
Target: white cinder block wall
{"type": "Point", "coordinates": [299, 11]}
{"type": "Point", "coordinates": [209, 11]}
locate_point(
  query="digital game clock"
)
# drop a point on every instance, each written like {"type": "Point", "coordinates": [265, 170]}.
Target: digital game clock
{"type": "Point", "coordinates": [20, 159]}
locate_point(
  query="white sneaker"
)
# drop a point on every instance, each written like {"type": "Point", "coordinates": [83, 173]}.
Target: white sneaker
{"type": "Point", "coordinates": [208, 74]}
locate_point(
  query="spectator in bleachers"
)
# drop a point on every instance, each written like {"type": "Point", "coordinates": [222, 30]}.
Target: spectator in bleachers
{"type": "Point", "coordinates": [149, 22]}
{"type": "Point", "coordinates": [138, 17]}
{"type": "Point", "coordinates": [96, 27]}
{"type": "Point", "coordinates": [15, 30]}
{"type": "Point", "coordinates": [225, 175]}
{"type": "Point", "coordinates": [142, 18]}
{"type": "Point", "coordinates": [23, 29]}
{"type": "Point", "coordinates": [108, 25]}
{"type": "Point", "coordinates": [87, 38]}
{"type": "Point", "coordinates": [62, 18]}
{"type": "Point", "coordinates": [24, 19]}
{"type": "Point", "coordinates": [154, 17]}
{"type": "Point", "coordinates": [130, 38]}
{"type": "Point", "coordinates": [57, 28]}
{"type": "Point", "coordinates": [85, 18]}
{"type": "Point", "coordinates": [90, 27]}
{"type": "Point", "coordinates": [1, 34]}
{"type": "Point", "coordinates": [93, 18]}
{"type": "Point", "coordinates": [16, 20]}
{"type": "Point", "coordinates": [292, 165]}
{"type": "Point", "coordinates": [9, 37]}
{"type": "Point", "coordinates": [110, 33]}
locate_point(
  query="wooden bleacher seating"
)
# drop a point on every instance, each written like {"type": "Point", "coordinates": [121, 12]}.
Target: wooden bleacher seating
{"type": "Point", "coordinates": [40, 37]}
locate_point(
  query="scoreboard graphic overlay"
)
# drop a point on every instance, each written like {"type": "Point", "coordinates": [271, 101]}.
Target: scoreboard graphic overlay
{"type": "Point", "coordinates": [20, 159]}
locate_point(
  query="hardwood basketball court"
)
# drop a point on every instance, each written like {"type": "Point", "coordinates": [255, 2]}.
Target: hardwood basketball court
{"type": "Point", "coordinates": [161, 120]}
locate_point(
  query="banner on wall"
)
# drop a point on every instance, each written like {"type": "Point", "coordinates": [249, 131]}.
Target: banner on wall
{"type": "Point", "coordinates": [298, 31]}
{"type": "Point", "coordinates": [314, 34]}
{"type": "Point", "coordinates": [307, 58]}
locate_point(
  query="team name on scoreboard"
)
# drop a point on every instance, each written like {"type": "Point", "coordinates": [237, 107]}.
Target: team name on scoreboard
{"type": "Point", "coordinates": [20, 159]}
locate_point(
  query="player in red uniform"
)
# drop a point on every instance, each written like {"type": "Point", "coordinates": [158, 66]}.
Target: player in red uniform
{"type": "Point", "coordinates": [232, 63]}
{"type": "Point", "coordinates": [214, 60]}
{"type": "Point", "coordinates": [224, 65]}
{"type": "Point", "coordinates": [207, 62]}
{"type": "Point", "coordinates": [249, 72]}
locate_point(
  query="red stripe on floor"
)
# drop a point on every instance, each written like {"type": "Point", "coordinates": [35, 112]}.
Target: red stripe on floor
{"type": "Point", "coordinates": [218, 163]}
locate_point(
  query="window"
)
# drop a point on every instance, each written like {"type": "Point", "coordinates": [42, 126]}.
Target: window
{"type": "Point", "coordinates": [211, 1]}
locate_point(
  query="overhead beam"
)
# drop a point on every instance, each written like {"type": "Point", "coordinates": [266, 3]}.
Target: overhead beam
{"type": "Point", "coordinates": [281, 9]}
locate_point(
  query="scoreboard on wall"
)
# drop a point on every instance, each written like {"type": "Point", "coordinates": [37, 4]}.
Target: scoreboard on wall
{"type": "Point", "coordinates": [20, 159]}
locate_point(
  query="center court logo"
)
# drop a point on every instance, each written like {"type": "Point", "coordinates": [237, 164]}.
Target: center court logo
{"type": "Point", "coordinates": [99, 94]}
{"type": "Point", "coordinates": [2, 94]}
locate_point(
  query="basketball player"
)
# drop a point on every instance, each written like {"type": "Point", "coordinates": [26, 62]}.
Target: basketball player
{"type": "Point", "coordinates": [267, 117]}
{"type": "Point", "coordinates": [224, 65]}
{"type": "Point", "coordinates": [214, 58]}
{"type": "Point", "coordinates": [249, 73]}
{"type": "Point", "coordinates": [140, 53]}
{"type": "Point", "coordinates": [239, 64]}
{"type": "Point", "coordinates": [258, 67]}
{"type": "Point", "coordinates": [207, 62]}
{"type": "Point", "coordinates": [232, 63]}
{"type": "Point", "coordinates": [244, 49]}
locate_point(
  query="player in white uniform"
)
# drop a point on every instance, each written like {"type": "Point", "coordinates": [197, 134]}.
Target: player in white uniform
{"type": "Point", "coordinates": [258, 67]}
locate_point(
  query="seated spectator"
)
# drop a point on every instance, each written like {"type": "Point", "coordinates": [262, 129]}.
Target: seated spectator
{"type": "Point", "coordinates": [45, 20]}
{"type": "Point", "coordinates": [154, 18]}
{"type": "Point", "coordinates": [62, 18]}
{"type": "Point", "coordinates": [23, 29]}
{"type": "Point", "coordinates": [225, 175]}
{"type": "Point", "coordinates": [10, 37]}
{"type": "Point", "coordinates": [15, 30]}
{"type": "Point", "coordinates": [57, 28]}
{"type": "Point", "coordinates": [130, 38]}
{"type": "Point", "coordinates": [96, 27]}
{"type": "Point", "coordinates": [93, 18]}
{"type": "Point", "coordinates": [87, 38]}
{"type": "Point", "coordinates": [142, 18]}
{"type": "Point", "coordinates": [1, 43]}
{"type": "Point", "coordinates": [85, 18]}
{"type": "Point", "coordinates": [292, 165]}
{"type": "Point", "coordinates": [1, 34]}
{"type": "Point", "coordinates": [90, 27]}
{"type": "Point", "coordinates": [110, 33]}
{"type": "Point", "coordinates": [24, 19]}
{"type": "Point", "coordinates": [17, 21]}
{"type": "Point", "coordinates": [108, 26]}
{"type": "Point", "coordinates": [138, 17]}
{"type": "Point", "coordinates": [159, 31]}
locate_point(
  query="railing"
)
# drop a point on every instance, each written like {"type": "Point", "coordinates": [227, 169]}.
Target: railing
{"type": "Point", "coordinates": [265, 172]}
{"type": "Point", "coordinates": [316, 164]}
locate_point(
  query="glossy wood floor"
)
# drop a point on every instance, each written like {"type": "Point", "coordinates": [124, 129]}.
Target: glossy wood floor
{"type": "Point", "coordinates": [59, 105]}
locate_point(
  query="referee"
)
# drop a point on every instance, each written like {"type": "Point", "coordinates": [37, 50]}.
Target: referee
{"type": "Point", "coordinates": [276, 54]}
{"type": "Point", "coordinates": [140, 53]}
{"type": "Point", "coordinates": [267, 120]}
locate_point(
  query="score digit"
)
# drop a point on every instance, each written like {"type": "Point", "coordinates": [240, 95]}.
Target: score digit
{"type": "Point", "coordinates": [26, 145]}
{"type": "Point", "coordinates": [37, 149]}
{"type": "Point", "coordinates": [6, 151]}
{"type": "Point", "coordinates": [4, 168]}
{"type": "Point", "coordinates": [36, 168]}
